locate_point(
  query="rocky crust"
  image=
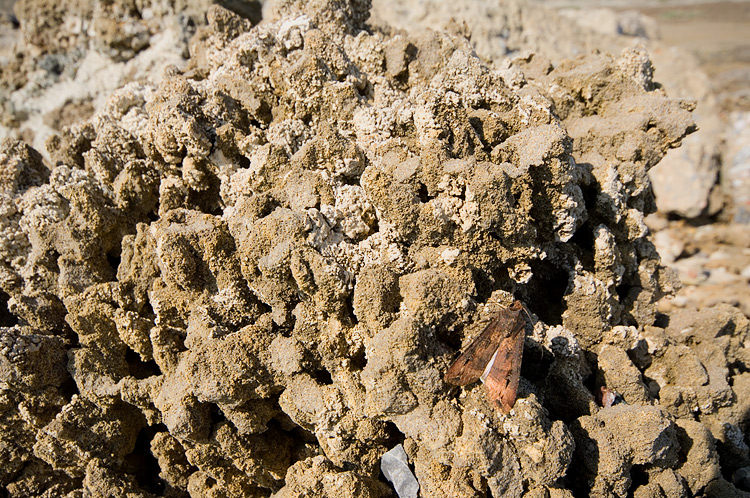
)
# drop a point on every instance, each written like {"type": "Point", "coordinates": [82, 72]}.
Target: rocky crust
{"type": "Point", "coordinates": [249, 279]}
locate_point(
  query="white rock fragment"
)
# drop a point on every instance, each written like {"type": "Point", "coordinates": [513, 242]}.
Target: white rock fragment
{"type": "Point", "coordinates": [449, 255]}
{"type": "Point", "coordinates": [292, 32]}
{"type": "Point", "coordinates": [395, 468]}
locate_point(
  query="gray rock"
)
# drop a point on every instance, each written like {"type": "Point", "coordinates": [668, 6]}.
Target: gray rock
{"type": "Point", "coordinates": [396, 469]}
{"type": "Point", "coordinates": [737, 166]}
{"type": "Point", "coordinates": [685, 177]}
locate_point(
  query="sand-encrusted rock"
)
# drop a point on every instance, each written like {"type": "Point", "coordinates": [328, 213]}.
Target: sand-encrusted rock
{"type": "Point", "coordinates": [317, 476]}
{"type": "Point", "coordinates": [622, 376]}
{"type": "Point", "coordinates": [617, 438]}
{"type": "Point", "coordinates": [690, 371]}
{"type": "Point", "coordinates": [261, 267]}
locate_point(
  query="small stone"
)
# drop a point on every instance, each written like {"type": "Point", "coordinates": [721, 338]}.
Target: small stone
{"type": "Point", "coordinates": [395, 468]}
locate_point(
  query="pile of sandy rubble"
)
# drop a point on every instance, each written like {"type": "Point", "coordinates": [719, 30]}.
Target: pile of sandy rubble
{"type": "Point", "coordinates": [246, 272]}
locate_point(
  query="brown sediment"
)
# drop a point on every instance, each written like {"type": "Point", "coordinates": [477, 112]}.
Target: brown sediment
{"type": "Point", "coordinates": [256, 272]}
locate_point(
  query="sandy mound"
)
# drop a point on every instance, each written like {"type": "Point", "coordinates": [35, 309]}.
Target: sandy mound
{"type": "Point", "coordinates": [250, 277]}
